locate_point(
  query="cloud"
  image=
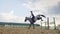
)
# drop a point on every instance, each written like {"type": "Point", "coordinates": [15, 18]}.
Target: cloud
{"type": "Point", "coordinates": [41, 6]}
{"type": "Point", "coordinates": [10, 17]}
{"type": "Point", "coordinates": [20, 19]}
{"type": "Point", "coordinates": [55, 9]}
{"type": "Point", "coordinates": [12, 12]}
{"type": "Point", "coordinates": [7, 17]}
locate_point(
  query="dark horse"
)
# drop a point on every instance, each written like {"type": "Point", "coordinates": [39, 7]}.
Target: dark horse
{"type": "Point", "coordinates": [38, 17]}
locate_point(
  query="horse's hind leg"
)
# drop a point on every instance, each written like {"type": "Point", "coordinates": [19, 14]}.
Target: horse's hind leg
{"type": "Point", "coordinates": [41, 19]}
{"type": "Point", "coordinates": [29, 26]}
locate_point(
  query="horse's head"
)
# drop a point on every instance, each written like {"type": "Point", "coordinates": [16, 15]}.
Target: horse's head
{"type": "Point", "coordinates": [29, 19]}
{"type": "Point", "coordinates": [25, 19]}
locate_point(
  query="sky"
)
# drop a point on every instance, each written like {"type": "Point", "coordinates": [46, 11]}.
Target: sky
{"type": "Point", "coordinates": [17, 10]}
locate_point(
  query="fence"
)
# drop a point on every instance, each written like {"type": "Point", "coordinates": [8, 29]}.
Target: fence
{"type": "Point", "coordinates": [48, 22]}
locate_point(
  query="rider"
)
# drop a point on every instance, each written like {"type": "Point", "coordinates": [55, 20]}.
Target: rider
{"type": "Point", "coordinates": [33, 17]}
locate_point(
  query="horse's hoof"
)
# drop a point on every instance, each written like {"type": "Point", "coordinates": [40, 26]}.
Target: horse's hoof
{"type": "Point", "coordinates": [28, 28]}
{"type": "Point", "coordinates": [41, 20]}
{"type": "Point", "coordinates": [33, 28]}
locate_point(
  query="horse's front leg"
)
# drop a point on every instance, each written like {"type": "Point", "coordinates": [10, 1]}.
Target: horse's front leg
{"type": "Point", "coordinates": [29, 26]}
{"type": "Point", "coordinates": [33, 26]}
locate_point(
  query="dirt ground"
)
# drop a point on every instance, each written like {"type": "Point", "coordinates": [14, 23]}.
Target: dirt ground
{"type": "Point", "coordinates": [25, 30]}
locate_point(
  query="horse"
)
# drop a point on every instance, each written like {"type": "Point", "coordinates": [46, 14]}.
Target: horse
{"type": "Point", "coordinates": [38, 17]}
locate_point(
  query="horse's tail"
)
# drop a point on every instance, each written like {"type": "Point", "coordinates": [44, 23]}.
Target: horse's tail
{"type": "Point", "coordinates": [43, 16]}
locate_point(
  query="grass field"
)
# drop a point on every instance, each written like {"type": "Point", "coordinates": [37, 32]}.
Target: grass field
{"type": "Point", "coordinates": [25, 30]}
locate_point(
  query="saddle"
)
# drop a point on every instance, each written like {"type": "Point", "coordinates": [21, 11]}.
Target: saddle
{"type": "Point", "coordinates": [33, 20]}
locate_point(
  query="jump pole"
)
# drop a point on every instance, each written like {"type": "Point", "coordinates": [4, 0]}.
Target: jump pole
{"type": "Point", "coordinates": [48, 22]}
{"type": "Point", "coordinates": [54, 23]}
